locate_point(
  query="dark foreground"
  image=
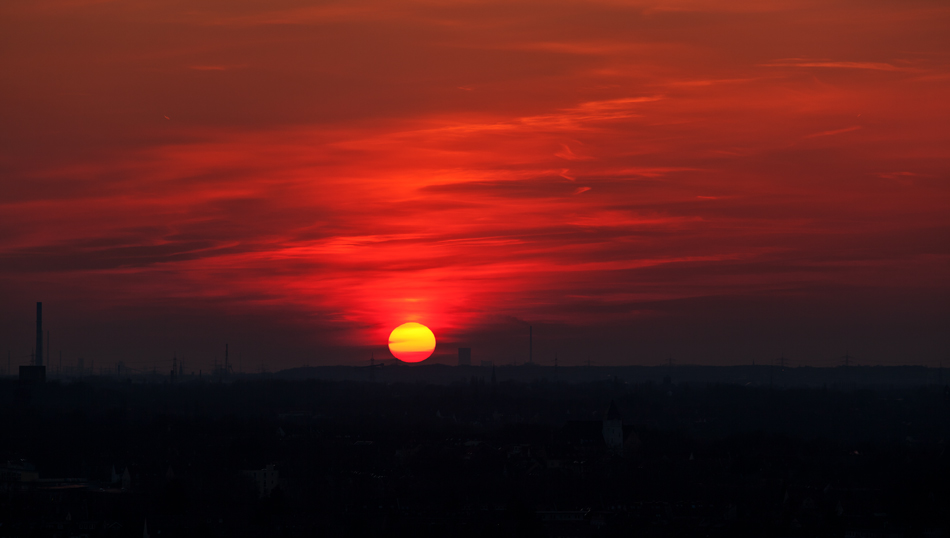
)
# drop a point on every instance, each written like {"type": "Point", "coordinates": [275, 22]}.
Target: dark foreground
{"type": "Point", "coordinates": [106, 458]}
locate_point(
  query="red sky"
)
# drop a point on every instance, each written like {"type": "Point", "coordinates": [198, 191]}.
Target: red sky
{"type": "Point", "coordinates": [716, 181]}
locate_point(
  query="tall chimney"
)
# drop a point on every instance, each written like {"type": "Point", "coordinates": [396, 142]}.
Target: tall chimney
{"type": "Point", "coordinates": [39, 334]}
{"type": "Point", "coordinates": [530, 345]}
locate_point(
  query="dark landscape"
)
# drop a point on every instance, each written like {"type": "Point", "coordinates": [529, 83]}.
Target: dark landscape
{"type": "Point", "coordinates": [506, 451]}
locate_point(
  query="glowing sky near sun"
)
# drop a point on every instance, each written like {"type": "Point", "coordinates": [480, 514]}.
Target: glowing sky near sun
{"type": "Point", "coordinates": [714, 180]}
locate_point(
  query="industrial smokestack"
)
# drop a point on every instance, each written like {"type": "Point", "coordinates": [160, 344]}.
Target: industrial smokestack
{"type": "Point", "coordinates": [36, 372]}
{"type": "Point", "coordinates": [39, 335]}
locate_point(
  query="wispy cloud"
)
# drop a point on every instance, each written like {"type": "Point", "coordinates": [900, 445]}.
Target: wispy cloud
{"type": "Point", "coordinates": [215, 67]}
{"type": "Point", "coordinates": [803, 62]}
{"type": "Point", "coordinates": [834, 131]}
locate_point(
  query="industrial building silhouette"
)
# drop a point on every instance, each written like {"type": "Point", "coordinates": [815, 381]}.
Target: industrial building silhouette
{"type": "Point", "coordinates": [36, 371]}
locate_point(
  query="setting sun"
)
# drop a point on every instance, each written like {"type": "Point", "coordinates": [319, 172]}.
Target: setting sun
{"type": "Point", "coordinates": [411, 342]}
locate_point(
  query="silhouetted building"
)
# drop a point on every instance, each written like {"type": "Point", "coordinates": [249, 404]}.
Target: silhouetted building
{"type": "Point", "coordinates": [613, 430]}
{"type": "Point", "coordinates": [18, 471]}
{"type": "Point", "coordinates": [585, 435]}
{"type": "Point", "coordinates": [601, 436]}
{"type": "Point", "coordinates": [266, 479]}
{"type": "Point", "coordinates": [36, 372]}
{"type": "Point", "coordinates": [465, 356]}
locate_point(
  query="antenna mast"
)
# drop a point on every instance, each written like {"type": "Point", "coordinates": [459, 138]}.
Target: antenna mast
{"type": "Point", "coordinates": [847, 358]}
{"type": "Point", "coordinates": [530, 345]}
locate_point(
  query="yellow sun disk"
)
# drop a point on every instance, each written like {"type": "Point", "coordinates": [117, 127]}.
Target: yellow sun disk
{"type": "Point", "coordinates": [411, 342]}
